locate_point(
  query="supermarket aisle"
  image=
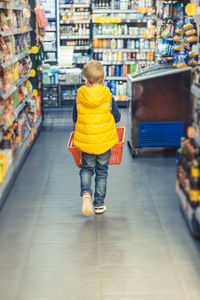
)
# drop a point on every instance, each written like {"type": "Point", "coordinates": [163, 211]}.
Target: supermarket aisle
{"type": "Point", "coordinates": [140, 249]}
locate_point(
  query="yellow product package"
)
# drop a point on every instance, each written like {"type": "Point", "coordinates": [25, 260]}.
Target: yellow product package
{"type": "Point", "coordinates": [192, 62]}
{"type": "Point", "coordinates": [187, 46]}
{"type": "Point", "coordinates": [188, 26]}
{"type": "Point", "coordinates": [192, 54]}
{"type": "Point", "coordinates": [178, 39]}
{"type": "Point", "coordinates": [191, 32]}
{"type": "Point", "coordinates": [179, 31]}
{"type": "Point", "coordinates": [177, 48]}
{"type": "Point", "coordinates": [192, 39]}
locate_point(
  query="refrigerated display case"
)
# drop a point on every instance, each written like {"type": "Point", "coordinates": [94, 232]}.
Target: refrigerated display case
{"type": "Point", "coordinates": [159, 107]}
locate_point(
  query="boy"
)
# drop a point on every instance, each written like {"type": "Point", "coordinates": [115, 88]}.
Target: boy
{"type": "Point", "coordinates": [95, 114]}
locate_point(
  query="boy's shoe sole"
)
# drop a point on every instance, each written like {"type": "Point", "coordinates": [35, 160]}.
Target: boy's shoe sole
{"type": "Point", "coordinates": [100, 209]}
{"type": "Point", "coordinates": [87, 207]}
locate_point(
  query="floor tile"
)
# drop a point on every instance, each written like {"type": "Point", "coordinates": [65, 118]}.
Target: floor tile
{"type": "Point", "coordinates": [66, 232]}
{"type": "Point", "coordinates": [12, 255]}
{"type": "Point", "coordinates": [72, 253]}
{"type": "Point", "coordinates": [9, 282]}
{"type": "Point", "coordinates": [59, 282]}
{"type": "Point", "coordinates": [130, 280]}
{"type": "Point", "coordinates": [144, 297]}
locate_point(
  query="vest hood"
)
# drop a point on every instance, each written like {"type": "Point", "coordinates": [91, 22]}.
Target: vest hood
{"type": "Point", "coordinates": [93, 96]}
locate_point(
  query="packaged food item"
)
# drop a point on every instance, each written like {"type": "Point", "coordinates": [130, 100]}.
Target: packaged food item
{"type": "Point", "coordinates": [188, 26]}
{"type": "Point", "coordinates": [181, 60]}
{"type": "Point", "coordinates": [192, 39]}
{"type": "Point", "coordinates": [193, 54]}
{"type": "Point", "coordinates": [5, 21]}
{"type": "Point", "coordinates": [179, 31]}
{"type": "Point", "coordinates": [186, 45]}
{"type": "Point", "coordinates": [177, 47]}
{"type": "Point", "coordinates": [4, 51]}
{"type": "Point", "coordinates": [178, 39]}
{"type": "Point", "coordinates": [193, 61]}
{"type": "Point", "coordinates": [191, 32]}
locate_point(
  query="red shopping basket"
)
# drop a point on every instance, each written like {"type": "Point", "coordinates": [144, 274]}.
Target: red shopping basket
{"type": "Point", "coordinates": [116, 151]}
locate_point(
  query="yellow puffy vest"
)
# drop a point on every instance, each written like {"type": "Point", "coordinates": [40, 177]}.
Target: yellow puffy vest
{"type": "Point", "coordinates": [95, 131]}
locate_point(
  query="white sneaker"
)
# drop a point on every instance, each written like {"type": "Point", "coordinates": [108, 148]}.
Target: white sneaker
{"type": "Point", "coordinates": [100, 209]}
{"type": "Point", "coordinates": [87, 207]}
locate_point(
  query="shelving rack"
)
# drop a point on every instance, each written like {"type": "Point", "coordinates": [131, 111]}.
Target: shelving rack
{"type": "Point", "coordinates": [50, 41]}
{"type": "Point", "coordinates": [164, 39]}
{"type": "Point", "coordinates": [191, 208]}
{"type": "Point", "coordinates": [130, 23]}
{"type": "Point", "coordinates": [75, 30]}
{"type": "Point", "coordinates": [19, 153]}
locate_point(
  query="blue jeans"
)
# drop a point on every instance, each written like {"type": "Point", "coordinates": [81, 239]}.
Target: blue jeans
{"type": "Point", "coordinates": [98, 164]}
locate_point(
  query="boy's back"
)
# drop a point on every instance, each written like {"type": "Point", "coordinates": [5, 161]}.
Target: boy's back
{"type": "Point", "coordinates": [95, 127]}
{"type": "Point", "coordinates": [95, 114]}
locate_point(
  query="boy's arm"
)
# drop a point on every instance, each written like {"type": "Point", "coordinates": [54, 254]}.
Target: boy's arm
{"type": "Point", "coordinates": [115, 110]}
{"type": "Point", "coordinates": [74, 113]}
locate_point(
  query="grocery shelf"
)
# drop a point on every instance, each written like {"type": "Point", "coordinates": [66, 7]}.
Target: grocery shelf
{"type": "Point", "coordinates": [122, 98]}
{"type": "Point", "coordinates": [196, 135]}
{"type": "Point", "coordinates": [14, 32]}
{"type": "Point", "coordinates": [123, 78]}
{"type": "Point", "coordinates": [49, 40]}
{"type": "Point", "coordinates": [74, 6]}
{"type": "Point", "coordinates": [113, 36]}
{"type": "Point", "coordinates": [17, 110]}
{"type": "Point", "coordinates": [50, 50]}
{"type": "Point", "coordinates": [5, 5]}
{"type": "Point", "coordinates": [75, 22]}
{"type": "Point", "coordinates": [50, 30]}
{"type": "Point", "coordinates": [118, 62]}
{"type": "Point", "coordinates": [17, 162]}
{"type": "Point", "coordinates": [73, 37]}
{"type": "Point", "coordinates": [97, 50]}
{"type": "Point", "coordinates": [191, 214]}
{"type": "Point", "coordinates": [1, 135]}
{"type": "Point", "coordinates": [4, 96]}
{"type": "Point", "coordinates": [195, 90]}
{"type": "Point", "coordinates": [113, 11]}
{"type": "Point", "coordinates": [80, 62]}
{"type": "Point", "coordinates": [82, 47]}
{"type": "Point", "coordinates": [15, 58]}
{"type": "Point", "coordinates": [80, 13]}
{"type": "Point", "coordinates": [50, 60]}
{"type": "Point", "coordinates": [142, 20]}
{"type": "Point", "coordinates": [20, 107]}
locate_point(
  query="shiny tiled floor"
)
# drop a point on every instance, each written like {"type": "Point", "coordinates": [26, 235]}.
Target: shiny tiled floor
{"type": "Point", "coordinates": [140, 249]}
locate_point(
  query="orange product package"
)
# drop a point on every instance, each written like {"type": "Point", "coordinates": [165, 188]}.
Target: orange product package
{"type": "Point", "coordinates": [41, 17]}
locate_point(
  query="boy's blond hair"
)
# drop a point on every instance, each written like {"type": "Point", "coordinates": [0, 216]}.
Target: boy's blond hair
{"type": "Point", "coordinates": [94, 72]}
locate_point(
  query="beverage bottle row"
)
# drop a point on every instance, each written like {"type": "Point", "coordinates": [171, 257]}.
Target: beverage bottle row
{"type": "Point", "coordinates": [109, 56]}
{"type": "Point", "coordinates": [116, 29]}
{"type": "Point", "coordinates": [74, 1]}
{"type": "Point", "coordinates": [119, 70]}
{"type": "Point", "coordinates": [77, 29]}
{"type": "Point", "coordinates": [118, 88]}
{"type": "Point", "coordinates": [137, 44]}
{"type": "Point", "coordinates": [116, 4]}
{"type": "Point", "coordinates": [76, 43]}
